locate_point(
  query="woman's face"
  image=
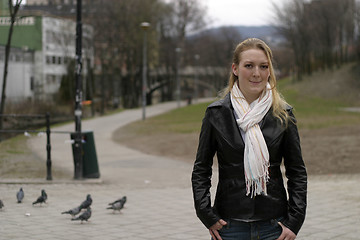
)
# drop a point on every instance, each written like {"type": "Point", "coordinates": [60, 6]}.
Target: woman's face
{"type": "Point", "coordinates": [253, 73]}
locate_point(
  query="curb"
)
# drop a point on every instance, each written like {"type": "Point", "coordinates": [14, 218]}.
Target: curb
{"type": "Point", "coordinates": [56, 181]}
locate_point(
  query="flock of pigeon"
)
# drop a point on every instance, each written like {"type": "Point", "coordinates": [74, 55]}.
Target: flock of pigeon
{"type": "Point", "coordinates": [85, 205]}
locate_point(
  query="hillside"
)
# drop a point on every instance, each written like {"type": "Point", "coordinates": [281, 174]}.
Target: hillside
{"type": "Point", "coordinates": [340, 84]}
{"type": "Point", "coordinates": [267, 32]}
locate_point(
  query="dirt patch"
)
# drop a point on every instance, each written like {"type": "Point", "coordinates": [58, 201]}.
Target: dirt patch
{"type": "Point", "coordinates": [177, 146]}
{"type": "Point", "coordinates": [325, 151]}
{"type": "Point", "coordinates": [331, 150]}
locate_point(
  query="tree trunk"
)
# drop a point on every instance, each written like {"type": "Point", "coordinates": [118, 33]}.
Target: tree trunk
{"type": "Point", "coordinates": [13, 11]}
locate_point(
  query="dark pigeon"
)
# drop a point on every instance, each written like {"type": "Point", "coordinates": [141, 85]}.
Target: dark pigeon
{"type": "Point", "coordinates": [73, 211]}
{"type": "Point", "coordinates": [122, 200]}
{"type": "Point", "coordinates": [20, 195]}
{"type": "Point", "coordinates": [42, 198]}
{"type": "Point", "coordinates": [84, 216]}
{"type": "Point", "coordinates": [85, 204]}
{"type": "Point", "coordinates": [1, 204]}
{"type": "Point", "coordinates": [117, 206]}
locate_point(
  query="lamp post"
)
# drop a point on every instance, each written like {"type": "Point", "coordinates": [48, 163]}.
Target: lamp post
{"type": "Point", "coordinates": [178, 93]}
{"type": "Point", "coordinates": [197, 57]}
{"type": "Point", "coordinates": [78, 172]}
{"type": "Point", "coordinates": [144, 26]}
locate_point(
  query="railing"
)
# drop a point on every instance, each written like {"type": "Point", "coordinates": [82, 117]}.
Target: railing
{"type": "Point", "coordinates": [47, 131]}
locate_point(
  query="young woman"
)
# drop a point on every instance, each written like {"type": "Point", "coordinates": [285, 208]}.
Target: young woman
{"type": "Point", "coordinates": [252, 130]}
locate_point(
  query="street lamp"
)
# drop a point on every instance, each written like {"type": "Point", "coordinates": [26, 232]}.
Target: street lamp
{"type": "Point", "coordinates": [178, 93]}
{"type": "Point", "coordinates": [78, 171]}
{"type": "Point", "coordinates": [197, 57]}
{"type": "Point", "coordinates": [144, 26]}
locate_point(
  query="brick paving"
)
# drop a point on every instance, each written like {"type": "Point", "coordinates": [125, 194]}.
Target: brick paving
{"type": "Point", "coordinates": [159, 198]}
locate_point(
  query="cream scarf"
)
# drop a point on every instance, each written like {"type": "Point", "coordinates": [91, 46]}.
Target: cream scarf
{"type": "Point", "coordinates": [256, 155]}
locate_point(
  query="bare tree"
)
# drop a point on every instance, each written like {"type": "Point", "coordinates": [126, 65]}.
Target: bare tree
{"type": "Point", "coordinates": [293, 25]}
{"type": "Point", "coordinates": [118, 43]}
{"type": "Point", "coordinates": [178, 19]}
{"type": "Point", "coordinates": [13, 10]}
{"type": "Point", "coordinates": [319, 32]}
{"type": "Point", "coordinates": [357, 24]}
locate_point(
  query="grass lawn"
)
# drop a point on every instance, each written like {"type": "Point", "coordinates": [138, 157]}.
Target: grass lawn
{"type": "Point", "coordinates": [312, 112]}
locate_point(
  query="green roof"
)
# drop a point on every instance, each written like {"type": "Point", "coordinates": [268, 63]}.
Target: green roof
{"type": "Point", "coordinates": [27, 32]}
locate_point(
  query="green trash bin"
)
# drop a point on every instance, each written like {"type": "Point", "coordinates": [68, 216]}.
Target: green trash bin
{"type": "Point", "coordinates": [90, 164]}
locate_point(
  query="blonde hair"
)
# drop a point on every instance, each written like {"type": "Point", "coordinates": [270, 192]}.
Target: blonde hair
{"type": "Point", "coordinates": [279, 103]}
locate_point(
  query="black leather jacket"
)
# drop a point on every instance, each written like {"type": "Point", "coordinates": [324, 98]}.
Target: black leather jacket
{"type": "Point", "coordinates": [220, 134]}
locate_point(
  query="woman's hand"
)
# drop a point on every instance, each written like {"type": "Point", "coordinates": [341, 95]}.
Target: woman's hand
{"type": "Point", "coordinates": [214, 229]}
{"type": "Point", "coordinates": [286, 234]}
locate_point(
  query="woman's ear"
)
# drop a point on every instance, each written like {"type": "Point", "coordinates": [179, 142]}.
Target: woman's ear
{"type": "Point", "coordinates": [234, 69]}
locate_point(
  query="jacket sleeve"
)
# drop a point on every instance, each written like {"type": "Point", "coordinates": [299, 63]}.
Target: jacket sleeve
{"type": "Point", "coordinates": [202, 172]}
{"type": "Point", "coordinates": [297, 177]}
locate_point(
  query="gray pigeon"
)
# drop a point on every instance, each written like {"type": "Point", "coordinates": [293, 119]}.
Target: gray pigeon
{"type": "Point", "coordinates": [84, 216]}
{"type": "Point", "coordinates": [117, 206]}
{"type": "Point", "coordinates": [1, 204]}
{"type": "Point", "coordinates": [42, 198]}
{"type": "Point", "coordinates": [20, 195]}
{"type": "Point", "coordinates": [85, 204]}
{"type": "Point", "coordinates": [73, 211]}
{"type": "Point", "coordinates": [122, 200]}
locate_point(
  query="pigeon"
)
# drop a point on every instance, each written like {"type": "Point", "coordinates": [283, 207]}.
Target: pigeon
{"type": "Point", "coordinates": [42, 198]}
{"type": "Point", "coordinates": [73, 211]}
{"type": "Point", "coordinates": [117, 206]}
{"type": "Point", "coordinates": [85, 204]}
{"type": "Point", "coordinates": [20, 195]}
{"type": "Point", "coordinates": [123, 200]}
{"type": "Point", "coordinates": [27, 134]}
{"type": "Point", "coordinates": [84, 216]}
{"type": "Point", "coordinates": [1, 204]}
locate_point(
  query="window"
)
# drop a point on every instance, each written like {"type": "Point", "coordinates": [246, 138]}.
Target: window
{"type": "Point", "coordinates": [49, 36]}
{"type": "Point", "coordinates": [32, 84]}
{"type": "Point", "coordinates": [50, 79]}
{"type": "Point", "coordinates": [17, 57]}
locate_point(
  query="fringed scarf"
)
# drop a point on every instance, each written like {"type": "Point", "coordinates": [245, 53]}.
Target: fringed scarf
{"type": "Point", "coordinates": [256, 155]}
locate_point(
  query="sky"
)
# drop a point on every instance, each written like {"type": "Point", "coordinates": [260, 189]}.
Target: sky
{"type": "Point", "coordinates": [240, 12]}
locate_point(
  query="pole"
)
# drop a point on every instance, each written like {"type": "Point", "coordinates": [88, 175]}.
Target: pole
{"type": "Point", "coordinates": [178, 93]}
{"type": "Point", "coordinates": [145, 26]}
{"type": "Point", "coordinates": [48, 148]}
{"type": "Point", "coordinates": [197, 57]}
{"type": "Point", "coordinates": [78, 172]}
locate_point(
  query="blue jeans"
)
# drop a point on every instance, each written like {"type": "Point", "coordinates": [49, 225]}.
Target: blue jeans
{"type": "Point", "coordinates": [259, 230]}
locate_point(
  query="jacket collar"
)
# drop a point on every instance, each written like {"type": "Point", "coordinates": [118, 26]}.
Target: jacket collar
{"type": "Point", "coordinates": [226, 123]}
{"type": "Point", "coordinates": [227, 104]}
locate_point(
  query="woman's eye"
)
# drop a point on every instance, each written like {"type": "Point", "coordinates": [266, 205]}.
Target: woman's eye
{"type": "Point", "coordinates": [248, 65]}
{"type": "Point", "coordinates": [264, 66]}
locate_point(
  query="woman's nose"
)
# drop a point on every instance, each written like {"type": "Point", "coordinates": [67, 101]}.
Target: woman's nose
{"type": "Point", "coordinates": [256, 71]}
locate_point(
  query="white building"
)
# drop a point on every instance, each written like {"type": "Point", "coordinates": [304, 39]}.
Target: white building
{"type": "Point", "coordinates": [42, 47]}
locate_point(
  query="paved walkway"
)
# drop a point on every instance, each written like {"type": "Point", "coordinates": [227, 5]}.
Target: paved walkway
{"type": "Point", "coordinates": [158, 190]}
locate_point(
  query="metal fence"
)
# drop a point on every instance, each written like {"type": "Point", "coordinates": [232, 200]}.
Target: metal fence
{"type": "Point", "coordinates": [46, 117]}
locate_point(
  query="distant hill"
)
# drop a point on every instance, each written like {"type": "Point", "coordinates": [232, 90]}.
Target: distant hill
{"type": "Point", "coordinates": [255, 31]}
{"type": "Point", "coordinates": [267, 33]}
